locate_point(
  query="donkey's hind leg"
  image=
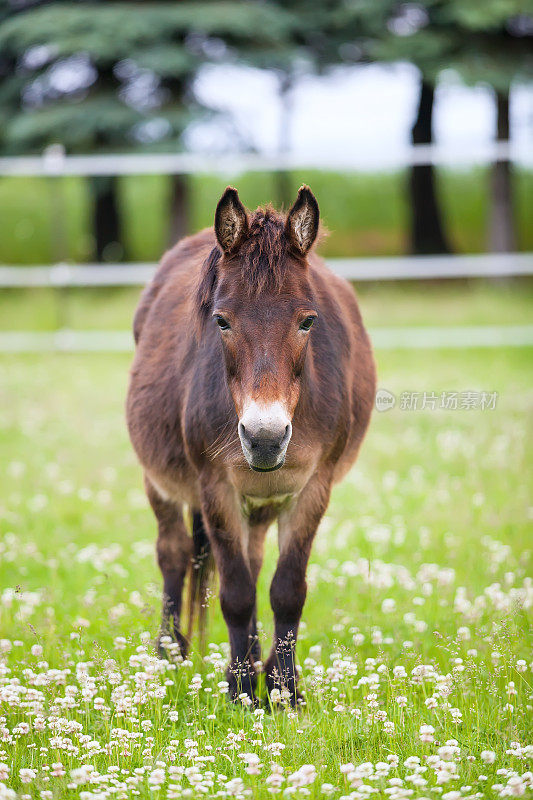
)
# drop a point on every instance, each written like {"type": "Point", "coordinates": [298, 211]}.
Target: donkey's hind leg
{"type": "Point", "coordinates": [174, 551]}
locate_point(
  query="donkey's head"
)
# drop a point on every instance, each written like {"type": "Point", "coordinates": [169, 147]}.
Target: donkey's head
{"type": "Point", "coordinates": [255, 288]}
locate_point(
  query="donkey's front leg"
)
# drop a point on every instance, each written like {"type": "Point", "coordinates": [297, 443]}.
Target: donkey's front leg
{"type": "Point", "coordinates": [288, 590]}
{"type": "Point", "coordinates": [237, 587]}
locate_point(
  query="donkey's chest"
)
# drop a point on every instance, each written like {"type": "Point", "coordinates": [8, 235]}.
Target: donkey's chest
{"type": "Point", "coordinates": [276, 503]}
{"type": "Point", "coordinates": [274, 490]}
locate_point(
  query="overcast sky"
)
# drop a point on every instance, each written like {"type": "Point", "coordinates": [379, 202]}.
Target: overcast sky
{"type": "Point", "coordinates": [368, 108]}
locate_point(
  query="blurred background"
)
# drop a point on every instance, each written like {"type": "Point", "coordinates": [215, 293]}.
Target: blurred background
{"type": "Point", "coordinates": [121, 123]}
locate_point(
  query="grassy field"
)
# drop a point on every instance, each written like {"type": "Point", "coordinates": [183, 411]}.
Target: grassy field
{"type": "Point", "coordinates": [415, 652]}
{"type": "Point", "coordinates": [48, 220]}
{"type": "Point", "coordinates": [415, 648]}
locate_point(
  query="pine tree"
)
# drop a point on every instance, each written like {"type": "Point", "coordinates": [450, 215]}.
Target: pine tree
{"type": "Point", "coordinates": [488, 42]}
{"type": "Point", "coordinates": [114, 76]}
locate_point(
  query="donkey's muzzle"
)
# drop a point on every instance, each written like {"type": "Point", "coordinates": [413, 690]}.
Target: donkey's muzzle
{"type": "Point", "coordinates": [264, 441]}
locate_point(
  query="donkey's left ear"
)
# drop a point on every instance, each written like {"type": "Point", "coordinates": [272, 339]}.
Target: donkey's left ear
{"type": "Point", "coordinates": [231, 222]}
{"type": "Point", "coordinates": [301, 227]}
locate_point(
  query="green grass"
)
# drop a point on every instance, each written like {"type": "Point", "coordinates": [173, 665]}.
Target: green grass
{"type": "Point", "coordinates": [433, 518]}
{"type": "Point", "coordinates": [47, 220]}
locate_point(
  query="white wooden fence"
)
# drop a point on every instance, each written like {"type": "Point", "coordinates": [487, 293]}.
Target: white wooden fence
{"type": "Point", "coordinates": [54, 161]}
{"type": "Point", "coordinates": [487, 265]}
{"type": "Point", "coordinates": [396, 338]}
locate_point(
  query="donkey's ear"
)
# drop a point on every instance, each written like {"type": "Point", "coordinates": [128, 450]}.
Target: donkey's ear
{"type": "Point", "coordinates": [302, 222]}
{"type": "Point", "coordinates": [231, 222]}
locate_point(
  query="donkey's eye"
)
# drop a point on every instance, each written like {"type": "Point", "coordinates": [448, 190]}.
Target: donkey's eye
{"type": "Point", "coordinates": [222, 322]}
{"type": "Point", "coordinates": [307, 323]}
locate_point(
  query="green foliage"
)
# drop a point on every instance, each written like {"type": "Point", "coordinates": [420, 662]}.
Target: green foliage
{"type": "Point", "coordinates": [482, 41]}
{"type": "Point", "coordinates": [108, 32]}
{"type": "Point", "coordinates": [135, 64]}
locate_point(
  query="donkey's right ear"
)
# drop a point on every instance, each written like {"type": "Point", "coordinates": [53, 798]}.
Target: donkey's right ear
{"type": "Point", "coordinates": [231, 222]}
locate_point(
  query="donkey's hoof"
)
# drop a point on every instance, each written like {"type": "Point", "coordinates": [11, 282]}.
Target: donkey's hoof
{"type": "Point", "coordinates": [255, 648]}
{"type": "Point", "coordinates": [282, 689]}
{"type": "Point", "coordinates": [170, 646]}
{"type": "Point", "coordinates": [242, 682]}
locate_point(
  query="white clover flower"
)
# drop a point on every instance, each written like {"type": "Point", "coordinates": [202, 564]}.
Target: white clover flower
{"type": "Point", "coordinates": [253, 763]}
{"type": "Point", "coordinates": [276, 748]}
{"type": "Point", "coordinates": [426, 733]}
{"type": "Point", "coordinates": [303, 776]}
{"type": "Point", "coordinates": [399, 672]}
{"type": "Point", "coordinates": [401, 700]}
{"type": "Point", "coordinates": [157, 777]}
{"type": "Point", "coordinates": [515, 787]}
{"type": "Point", "coordinates": [235, 786]}
{"type": "Point", "coordinates": [27, 775]}
{"type": "Point", "coordinates": [275, 779]}
{"type": "Point", "coordinates": [245, 699]}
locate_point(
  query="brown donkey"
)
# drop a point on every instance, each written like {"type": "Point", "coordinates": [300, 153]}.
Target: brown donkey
{"type": "Point", "coordinates": [251, 391]}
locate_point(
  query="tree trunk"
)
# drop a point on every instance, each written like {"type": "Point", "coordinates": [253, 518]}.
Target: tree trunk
{"type": "Point", "coordinates": [283, 189]}
{"type": "Point", "coordinates": [427, 231]}
{"type": "Point", "coordinates": [180, 209]}
{"type": "Point", "coordinates": [502, 235]}
{"type": "Point", "coordinates": [282, 178]}
{"type": "Point", "coordinates": [106, 220]}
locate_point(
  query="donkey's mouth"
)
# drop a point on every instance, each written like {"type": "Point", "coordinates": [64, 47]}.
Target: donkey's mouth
{"type": "Point", "coordinates": [268, 469]}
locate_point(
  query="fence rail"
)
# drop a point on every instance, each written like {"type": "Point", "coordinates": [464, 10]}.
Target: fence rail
{"type": "Point", "coordinates": [54, 161]}
{"type": "Point", "coordinates": [357, 269]}
{"type": "Point", "coordinates": [397, 338]}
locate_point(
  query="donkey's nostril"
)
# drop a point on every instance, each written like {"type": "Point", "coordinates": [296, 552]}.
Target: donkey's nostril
{"type": "Point", "coordinates": [264, 432]}
{"type": "Point", "coordinates": [286, 435]}
{"type": "Point", "coordinates": [243, 434]}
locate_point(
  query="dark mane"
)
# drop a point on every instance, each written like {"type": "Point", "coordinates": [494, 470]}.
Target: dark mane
{"type": "Point", "coordinates": [262, 258]}
{"type": "Point", "coordinates": [263, 254]}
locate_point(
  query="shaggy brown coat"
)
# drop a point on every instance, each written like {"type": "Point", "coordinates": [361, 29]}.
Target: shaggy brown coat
{"type": "Point", "coordinates": [189, 382]}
